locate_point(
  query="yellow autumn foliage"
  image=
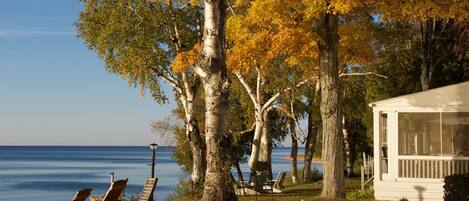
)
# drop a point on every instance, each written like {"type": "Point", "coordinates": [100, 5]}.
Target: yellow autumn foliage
{"type": "Point", "coordinates": [337, 7]}
{"type": "Point", "coordinates": [270, 29]}
{"type": "Point", "coordinates": [184, 60]}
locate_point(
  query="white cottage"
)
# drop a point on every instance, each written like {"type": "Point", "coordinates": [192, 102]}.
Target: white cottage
{"type": "Point", "coordinates": [418, 140]}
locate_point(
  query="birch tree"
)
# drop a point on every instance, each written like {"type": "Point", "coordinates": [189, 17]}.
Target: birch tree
{"type": "Point", "coordinates": [255, 45]}
{"type": "Point", "coordinates": [138, 40]}
{"type": "Point", "coordinates": [211, 69]}
{"type": "Point", "coordinates": [297, 41]}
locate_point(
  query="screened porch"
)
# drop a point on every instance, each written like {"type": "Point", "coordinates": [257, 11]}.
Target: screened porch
{"type": "Point", "coordinates": [432, 144]}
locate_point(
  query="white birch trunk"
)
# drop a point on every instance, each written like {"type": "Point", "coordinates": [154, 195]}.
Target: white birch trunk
{"type": "Point", "coordinates": [255, 146]}
{"type": "Point", "coordinates": [348, 154]}
{"type": "Point", "coordinates": [218, 184]}
{"type": "Point", "coordinates": [294, 152]}
{"type": "Point", "coordinates": [265, 153]}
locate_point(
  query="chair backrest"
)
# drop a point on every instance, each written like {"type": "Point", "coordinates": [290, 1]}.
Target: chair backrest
{"type": "Point", "coordinates": [280, 178]}
{"type": "Point", "coordinates": [261, 180]}
{"type": "Point", "coordinates": [82, 194]}
{"type": "Point", "coordinates": [278, 175]}
{"type": "Point", "coordinates": [148, 189]}
{"type": "Point", "coordinates": [116, 190]}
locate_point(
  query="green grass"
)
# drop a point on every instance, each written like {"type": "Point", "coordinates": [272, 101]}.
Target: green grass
{"type": "Point", "coordinates": [302, 192]}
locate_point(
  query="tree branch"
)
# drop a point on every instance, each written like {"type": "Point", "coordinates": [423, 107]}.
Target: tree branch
{"type": "Point", "coordinates": [248, 88]}
{"type": "Point", "coordinates": [292, 116]}
{"type": "Point", "coordinates": [135, 12]}
{"type": "Point", "coordinates": [360, 74]}
{"type": "Point", "coordinates": [253, 126]}
{"type": "Point", "coordinates": [292, 111]}
{"type": "Point", "coordinates": [199, 71]}
{"type": "Point", "coordinates": [258, 85]}
{"type": "Point", "coordinates": [278, 94]}
{"type": "Point", "coordinates": [168, 79]}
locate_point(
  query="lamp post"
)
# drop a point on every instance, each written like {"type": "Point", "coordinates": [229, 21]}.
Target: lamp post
{"type": "Point", "coordinates": [153, 147]}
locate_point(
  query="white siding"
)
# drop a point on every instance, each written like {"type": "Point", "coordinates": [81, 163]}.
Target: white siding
{"type": "Point", "coordinates": [412, 190]}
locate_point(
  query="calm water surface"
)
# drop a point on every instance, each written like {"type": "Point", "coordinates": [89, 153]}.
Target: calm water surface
{"type": "Point", "coordinates": [52, 173]}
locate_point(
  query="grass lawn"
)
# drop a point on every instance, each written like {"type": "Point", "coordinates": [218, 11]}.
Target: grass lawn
{"type": "Point", "coordinates": [302, 192]}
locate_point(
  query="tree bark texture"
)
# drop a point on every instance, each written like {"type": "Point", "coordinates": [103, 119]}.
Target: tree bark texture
{"type": "Point", "coordinates": [198, 150]}
{"type": "Point", "coordinates": [186, 95]}
{"type": "Point", "coordinates": [309, 148]}
{"type": "Point", "coordinates": [294, 152]}
{"type": "Point", "coordinates": [332, 154]}
{"type": "Point", "coordinates": [256, 141]}
{"type": "Point", "coordinates": [193, 134]}
{"type": "Point", "coordinates": [265, 153]}
{"type": "Point", "coordinates": [347, 147]}
{"type": "Point", "coordinates": [218, 184]}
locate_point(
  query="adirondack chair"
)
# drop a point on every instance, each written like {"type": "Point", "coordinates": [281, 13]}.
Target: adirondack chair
{"type": "Point", "coordinates": [278, 182]}
{"type": "Point", "coordinates": [114, 193]}
{"type": "Point", "coordinates": [148, 189]}
{"type": "Point", "coordinates": [263, 183]}
{"type": "Point", "coordinates": [82, 194]}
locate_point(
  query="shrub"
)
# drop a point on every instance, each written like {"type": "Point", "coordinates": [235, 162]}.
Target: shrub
{"type": "Point", "coordinates": [314, 176]}
{"type": "Point", "coordinates": [360, 195]}
{"type": "Point", "coordinates": [456, 187]}
{"type": "Point", "coordinates": [403, 199]}
{"type": "Point", "coordinates": [184, 189]}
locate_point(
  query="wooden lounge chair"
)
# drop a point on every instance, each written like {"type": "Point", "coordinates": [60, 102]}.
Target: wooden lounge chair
{"type": "Point", "coordinates": [257, 184]}
{"type": "Point", "coordinates": [278, 182]}
{"type": "Point", "coordinates": [82, 194]}
{"type": "Point", "coordinates": [114, 193]}
{"type": "Point", "coordinates": [148, 189]}
{"type": "Point", "coordinates": [261, 183]}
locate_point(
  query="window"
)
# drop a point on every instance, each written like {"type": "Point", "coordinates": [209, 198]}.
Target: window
{"type": "Point", "coordinates": [419, 134]}
{"type": "Point", "coordinates": [383, 124]}
{"type": "Point", "coordinates": [455, 134]}
{"type": "Point", "coordinates": [433, 134]}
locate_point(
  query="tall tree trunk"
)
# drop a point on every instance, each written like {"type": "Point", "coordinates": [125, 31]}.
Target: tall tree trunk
{"type": "Point", "coordinates": [332, 154]}
{"type": "Point", "coordinates": [294, 152]}
{"type": "Point", "coordinates": [198, 152]}
{"type": "Point", "coordinates": [428, 40]}
{"type": "Point", "coordinates": [192, 129]}
{"type": "Point", "coordinates": [309, 148]}
{"type": "Point", "coordinates": [256, 141]}
{"type": "Point", "coordinates": [193, 133]}
{"type": "Point", "coordinates": [348, 152]}
{"type": "Point", "coordinates": [265, 153]}
{"type": "Point", "coordinates": [218, 185]}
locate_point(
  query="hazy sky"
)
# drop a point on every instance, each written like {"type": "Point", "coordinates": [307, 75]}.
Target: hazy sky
{"type": "Point", "coordinates": [54, 91]}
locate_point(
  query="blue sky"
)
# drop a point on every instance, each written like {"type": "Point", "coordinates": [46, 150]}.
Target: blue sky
{"type": "Point", "coordinates": [54, 91]}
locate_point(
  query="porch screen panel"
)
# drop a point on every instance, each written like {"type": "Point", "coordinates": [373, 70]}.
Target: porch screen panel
{"type": "Point", "coordinates": [455, 133]}
{"type": "Point", "coordinates": [419, 134]}
{"type": "Point", "coordinates": [383, 122]}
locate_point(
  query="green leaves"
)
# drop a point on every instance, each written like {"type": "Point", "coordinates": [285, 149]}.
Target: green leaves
{"type": "Point", "coordinates": [135, 38]}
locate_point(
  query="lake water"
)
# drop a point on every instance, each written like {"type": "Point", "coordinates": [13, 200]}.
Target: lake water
{"type": "Point", "coordinates": [54, 173]}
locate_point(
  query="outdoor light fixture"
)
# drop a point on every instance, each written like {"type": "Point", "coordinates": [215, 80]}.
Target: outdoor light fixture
{"type": "Point", "coordinates": [153, 147]}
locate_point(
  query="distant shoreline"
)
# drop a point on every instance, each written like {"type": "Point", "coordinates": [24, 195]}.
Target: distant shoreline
{"type": "Point", "coordinates": [301, 157]}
